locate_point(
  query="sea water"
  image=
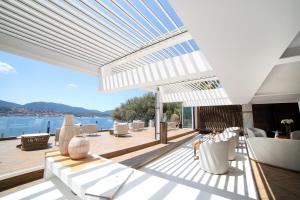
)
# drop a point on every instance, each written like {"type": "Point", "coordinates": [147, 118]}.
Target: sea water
{"type": "Point", "coordinates": [18, 125]}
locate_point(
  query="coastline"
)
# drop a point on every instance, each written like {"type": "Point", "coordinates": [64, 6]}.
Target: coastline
{"type": "Point", "coordinates": [14, 126]}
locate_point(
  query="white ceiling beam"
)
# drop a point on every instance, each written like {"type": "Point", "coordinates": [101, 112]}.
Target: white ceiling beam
{"type": "Point", "coordinates": [181, 37]}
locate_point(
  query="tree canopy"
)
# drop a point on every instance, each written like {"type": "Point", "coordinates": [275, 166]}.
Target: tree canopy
{"type": "Point", "coordinates": [143, 108]}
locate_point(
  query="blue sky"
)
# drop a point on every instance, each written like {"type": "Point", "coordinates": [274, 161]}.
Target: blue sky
{"type": "Point", "coordinates": [23, 80]}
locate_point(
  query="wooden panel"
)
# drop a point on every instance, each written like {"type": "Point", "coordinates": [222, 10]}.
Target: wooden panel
{"type": "Point", "coordinates": [219, 117]}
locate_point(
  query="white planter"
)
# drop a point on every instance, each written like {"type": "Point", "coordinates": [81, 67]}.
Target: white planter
{"type": "Point", "coordinates": [67, 131]}
{"type": "Point", "coordinates": [78, 147]}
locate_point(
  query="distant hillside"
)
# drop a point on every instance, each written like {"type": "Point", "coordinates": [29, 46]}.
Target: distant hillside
{"type": "Point", "coordinates": [56, 107]}
{"type": "Point", "coordinates": [49, 107]}
{"type": "Point", "coordinates": [10, 105]}
{"type": "Point", "coordinates": [108, 112]}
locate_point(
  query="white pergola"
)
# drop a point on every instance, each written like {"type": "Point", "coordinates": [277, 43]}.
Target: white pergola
{"type": "Point", "coordinates": [252, 47]}
{"type": "Point", "coordinates": [127, 44]}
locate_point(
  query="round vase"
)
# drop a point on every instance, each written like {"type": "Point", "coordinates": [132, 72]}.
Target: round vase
{"type": "Point", "coordinates": [67, 131]}
{"type": "Point", "coordinates": [78, 147]}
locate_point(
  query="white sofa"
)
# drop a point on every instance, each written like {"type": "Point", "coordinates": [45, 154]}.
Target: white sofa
{"type": "Point", "coordinates": [256, 132]}
{"type": "Point", "coordinates": [120, 129]}
{"type": "Point", "coordinates": [213, 156]}
{"type": "Point", "coordinates": [137, 125]}
{"type": "Point", "coordinates": [295, 135]}
{"type": "Point", "coordinates": [277, 152]}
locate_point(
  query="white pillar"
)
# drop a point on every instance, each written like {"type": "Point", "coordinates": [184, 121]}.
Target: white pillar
{"type": "Point", "coordinates": [247, 116]}
{"type": "Point", "coordinates": [158, 113]}
{"type": "Point", "coordinates": [299, 105]}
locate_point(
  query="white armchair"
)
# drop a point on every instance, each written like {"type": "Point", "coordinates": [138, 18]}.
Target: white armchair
{"type": "Point", "coordinates": [231, 138]}
{"type": "Point", "coordinates": [233, 129]}
{"type": "Point", "coordinates": [256, 132]}
{"type": "Point", "coordinates": [213, 156]}
{"type": "Point", "coordinates": [120, 129]}
{"type": "Point", "coordinates": [295, 135]}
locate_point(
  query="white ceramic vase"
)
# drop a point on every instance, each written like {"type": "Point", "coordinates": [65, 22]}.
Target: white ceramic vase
{"type": "Point", "coordinates": [67, 131]}
{"type": "Point", "coordinates": [78, 147]}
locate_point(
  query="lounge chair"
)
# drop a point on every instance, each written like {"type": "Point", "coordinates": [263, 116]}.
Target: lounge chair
{"type": "Point", "coordinates": [137, 125]}
{"type": "Point", "coordinates": [34, 141]}
{"type": "Point", "coordinates": [88, 129]}
{"type": "Point", "coordinates": [172, 125]}
{"type": "Point", "coordinates": [120, 129]}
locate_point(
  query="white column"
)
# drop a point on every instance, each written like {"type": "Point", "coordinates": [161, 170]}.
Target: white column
{"type": "Point", "coordinates": [299, 105]}
{"type": "Point", "coordinates": [247, 116]}
{"type": "Point", "coordinates": [158, 113]}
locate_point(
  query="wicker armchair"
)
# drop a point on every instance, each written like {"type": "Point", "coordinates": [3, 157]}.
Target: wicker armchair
{"type": "Point", "coordinates": [34, 141]}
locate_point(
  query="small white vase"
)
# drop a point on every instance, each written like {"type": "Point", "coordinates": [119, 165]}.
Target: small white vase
{"type": "Point", "coordinates": [78, 147]}
{"type": "Point", "coordinates": [67, 131]}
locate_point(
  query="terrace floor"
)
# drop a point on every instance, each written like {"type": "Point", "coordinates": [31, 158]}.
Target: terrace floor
{"type": "Point", "coordinates": [14, 161]}
{"type": "Point", "coordinates": [271, 182]}
{"type": "Point", "coordinates": [179, 166]}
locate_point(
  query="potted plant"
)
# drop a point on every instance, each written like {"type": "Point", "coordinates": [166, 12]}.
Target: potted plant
{"type": "Point", "coordinates": [287, 125]}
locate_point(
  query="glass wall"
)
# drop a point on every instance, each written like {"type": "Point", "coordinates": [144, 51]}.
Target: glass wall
{"type": "Point", "coordinates": [187, 117]}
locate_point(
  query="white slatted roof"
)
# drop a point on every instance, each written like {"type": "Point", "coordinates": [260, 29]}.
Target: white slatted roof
{"type": "Point", "coordinates": [201, 92]}
{"type": "Point", "coordinates": [94, 31]}
{"type": "Point", "coordinates": [126, 43]}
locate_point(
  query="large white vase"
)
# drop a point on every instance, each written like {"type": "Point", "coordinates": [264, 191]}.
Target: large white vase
{"type": "Point", "coordinates": [67, 131]}
{"type": "Point", "coordinates": [78, 147]}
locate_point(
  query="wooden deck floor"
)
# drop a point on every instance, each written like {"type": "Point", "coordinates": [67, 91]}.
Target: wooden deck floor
{"type": "Point", "coordinates": [276, 183]}
{"type": "Point", "coordinates": [13, 161]}
{"type": "Point", "coordinates": [272, 182]}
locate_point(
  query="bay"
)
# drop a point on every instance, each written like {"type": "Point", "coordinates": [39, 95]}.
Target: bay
{"type": "Point", "coordinates": [18, 125]}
